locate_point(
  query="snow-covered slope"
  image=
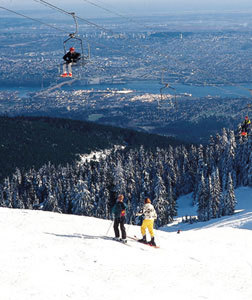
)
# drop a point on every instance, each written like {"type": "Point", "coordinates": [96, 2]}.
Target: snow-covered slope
{"type": "Point", "coordinates": [49, 256]}
{"type": "Point", "coordinates": [241, 219]}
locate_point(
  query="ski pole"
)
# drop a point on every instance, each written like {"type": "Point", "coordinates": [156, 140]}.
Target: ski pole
{"type": "Point", "coordinates": [127, 231]}
{"type": "Point", "coordinates": [109, 227]}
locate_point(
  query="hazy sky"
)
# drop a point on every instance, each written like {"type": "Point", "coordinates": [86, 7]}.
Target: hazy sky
{"type": "Point", "coordinates": [138, 6]}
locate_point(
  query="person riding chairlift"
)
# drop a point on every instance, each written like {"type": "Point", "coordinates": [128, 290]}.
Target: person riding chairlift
{"type": "Point", "coordinates": [245, 126]}
{"type": "Point", "coordinates": [70, 58]}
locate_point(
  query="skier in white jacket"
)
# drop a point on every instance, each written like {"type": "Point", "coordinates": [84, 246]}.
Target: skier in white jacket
{"type": "Point", "coordinates": [149, 215]}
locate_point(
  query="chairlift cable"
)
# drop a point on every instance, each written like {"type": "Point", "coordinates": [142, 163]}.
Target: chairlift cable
{"type": "Point", "coordinates": [107, 10]}
{"type": "Point", "coordinates": [67, 13]}
{"type": "Point", "coordinates": [57, 28]}
{"type": "Point", "coordinates": [52, 6]}
{"type": "Point", "coordinates": [115, 13]}
{"type": "Point", "coordinates": [82, 19]}
{"type": "Point", "coordinates": [36, 20]}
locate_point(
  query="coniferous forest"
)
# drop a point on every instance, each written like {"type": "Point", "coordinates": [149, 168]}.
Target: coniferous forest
{"type": "Point", "coordinates": [33, 141]}
{"type": "Point", "coordinates": [90, 188]}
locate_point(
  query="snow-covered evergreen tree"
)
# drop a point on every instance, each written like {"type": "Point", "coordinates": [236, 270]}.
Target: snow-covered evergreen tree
{"type": "Point", "coordinates": [81, 203]}
{"type": "Point", "coordinates": [160, 201]}
{"type": "Point", "coordinates": [215, 195]}
{"type": "Point", "coordinates": [229, 200]}
{"type": "Point", "coordinates": [172, 203]}
{"type": "Point", "coordinates": [203, 200]}
{"type": "Point", "coordinates": [200, 171]}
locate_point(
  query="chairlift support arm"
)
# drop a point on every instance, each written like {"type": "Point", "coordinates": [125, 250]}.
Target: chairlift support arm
{"type": "Point", "coordinates": [76, 25]}
{"type": "Point", "coordinates": [73, 36]}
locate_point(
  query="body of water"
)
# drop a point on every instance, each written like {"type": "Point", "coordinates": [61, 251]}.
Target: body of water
{"type": "Point", "coordinates": [152, 87]}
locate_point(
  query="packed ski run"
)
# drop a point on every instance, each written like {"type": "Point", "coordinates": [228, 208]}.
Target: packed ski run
{"type": "Point", "coordinates": [53, 256]}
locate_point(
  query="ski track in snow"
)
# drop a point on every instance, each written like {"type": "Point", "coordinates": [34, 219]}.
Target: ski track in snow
{"type": "Point", "coordinates": [50, 256]}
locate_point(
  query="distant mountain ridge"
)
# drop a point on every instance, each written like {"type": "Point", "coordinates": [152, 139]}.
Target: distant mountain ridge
{"type": "Point", "coordinates": [33, 141]}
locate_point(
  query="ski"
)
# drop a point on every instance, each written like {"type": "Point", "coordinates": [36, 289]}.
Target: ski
{"type": "Point", "coordinates": [137, 240]}
{"type": "Point", "coordinates": [120, 241]}
{"type": "Point", "coordinates": [109, 238]}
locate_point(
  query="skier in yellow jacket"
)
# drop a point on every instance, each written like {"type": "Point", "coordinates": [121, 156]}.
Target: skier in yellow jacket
{"type": "Point", "coordinates": [149, 215]}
